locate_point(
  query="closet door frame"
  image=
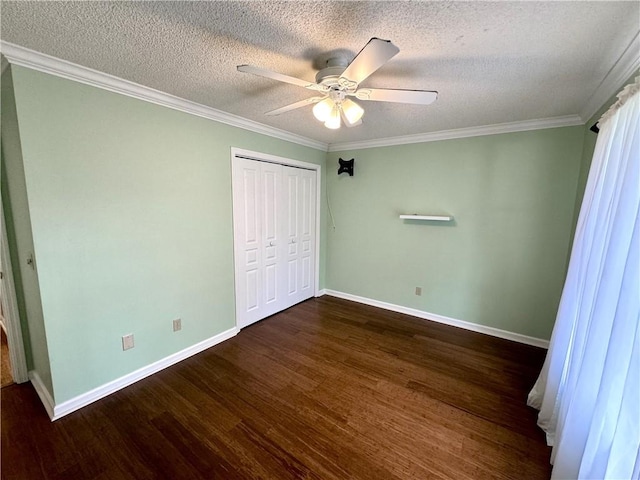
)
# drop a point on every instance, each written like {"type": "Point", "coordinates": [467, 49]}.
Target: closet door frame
{"type": "Point", "coordinates": [264, 157]}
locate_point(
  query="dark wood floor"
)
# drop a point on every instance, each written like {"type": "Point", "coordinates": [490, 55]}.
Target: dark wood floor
{"type": "Point", "coordinates": [328, 389]}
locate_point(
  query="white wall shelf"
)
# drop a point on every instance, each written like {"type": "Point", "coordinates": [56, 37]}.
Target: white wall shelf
{"type": "Point", "coordinates": [437, 218]}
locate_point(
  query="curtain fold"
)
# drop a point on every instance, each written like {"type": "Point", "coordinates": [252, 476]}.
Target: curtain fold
{"type": "Point", "coordinates": [588, 392]}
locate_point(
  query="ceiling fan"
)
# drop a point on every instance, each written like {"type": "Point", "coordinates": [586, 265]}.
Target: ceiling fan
{"type": "Point", "coordinates": [340, 80]}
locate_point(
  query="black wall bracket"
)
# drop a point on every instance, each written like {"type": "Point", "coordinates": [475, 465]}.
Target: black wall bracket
{"type": "Point", "coordinates": [346, 166]}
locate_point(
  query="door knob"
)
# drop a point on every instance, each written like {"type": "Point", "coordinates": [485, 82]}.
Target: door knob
{"type": "Point", "coordinates": [271, 244]}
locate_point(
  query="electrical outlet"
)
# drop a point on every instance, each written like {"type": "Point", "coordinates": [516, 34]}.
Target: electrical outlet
{"type": "Point", "coordinates": [418, 291]}
{"type": "Point", "coordinates": [177, 324]}
{"type": "Point", "coordinates": [127, 341]}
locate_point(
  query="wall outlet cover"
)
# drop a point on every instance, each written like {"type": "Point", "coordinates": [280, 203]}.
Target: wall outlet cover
{"type": "Point", "coordinates": [177, 324]}
{"type": "Point", "coordinates": [127, 342]}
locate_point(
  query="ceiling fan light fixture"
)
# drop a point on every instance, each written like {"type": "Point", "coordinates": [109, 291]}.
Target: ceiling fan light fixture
{"type": "Point", "coordinates": [340, 79]}
{"type": "Point", "coordinates": [347, 122]}
{"type": "Point", "coordinates": [333, 122]}
{"type": "Point", "coordinates": [322, 110]}
{"type": "Point", "coordinates": [352, 111]}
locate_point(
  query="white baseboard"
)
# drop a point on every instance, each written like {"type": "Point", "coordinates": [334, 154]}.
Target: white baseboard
{"type": "Point", "coordinates": [495, 332]}
{"type": "Point", "coordinates": [43, 392]}
{"type": "Point", "coordinates": [65, 408]}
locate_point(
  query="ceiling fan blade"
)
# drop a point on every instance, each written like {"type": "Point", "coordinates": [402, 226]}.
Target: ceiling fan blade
{"type": "Point", "coordinates": [261, 72]}
{"type": "Point", "coordinates": [420, 97]}
{"type": "Point", "coordinates": [293, 106]}
{"type": "Point", "coordinates": [374, 54]}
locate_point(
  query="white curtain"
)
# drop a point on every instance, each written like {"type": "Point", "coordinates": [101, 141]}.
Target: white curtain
{"type": "Point", "coordinates": [588, 392]}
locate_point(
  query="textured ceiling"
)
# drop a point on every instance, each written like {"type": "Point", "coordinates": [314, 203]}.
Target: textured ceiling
{"type": "Point", "coordinates": [490, 62]}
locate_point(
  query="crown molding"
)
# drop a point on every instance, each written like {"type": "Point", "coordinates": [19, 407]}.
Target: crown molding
{"type": "Point", "coordinates": [625, 66]}
{"type": "Point", "coordinates": [14, 54]}
{"type": "Point", "coordinates": [25, 57]}
{"type": "Point", "coordinates": [539, 124]}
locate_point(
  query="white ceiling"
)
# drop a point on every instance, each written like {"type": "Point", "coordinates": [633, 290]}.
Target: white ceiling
{"type": "Point", "coordinates": [491, 63]}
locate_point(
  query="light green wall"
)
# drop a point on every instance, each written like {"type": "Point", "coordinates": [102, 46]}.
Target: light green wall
{"type": "Point", "coordinates": [16, 208]}
{"type": "Point", "coordinates": [130, 206]}
{"type": "Point", "coordinates": [501, 263]}
{"type": "Point", "coordinates": [130, 209]}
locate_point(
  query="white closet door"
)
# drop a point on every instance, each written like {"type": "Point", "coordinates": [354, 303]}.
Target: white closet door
{"type": "Point", "coordinates": [256, 204]}
{"type": "Point", "coordinates": [272, 244]}
{"type": "Point", "coordinates": [247, 241]}
{"type": "Point", "coordinates": [300, 195]}
{"type": "Point", "coordinates": [274, 237]}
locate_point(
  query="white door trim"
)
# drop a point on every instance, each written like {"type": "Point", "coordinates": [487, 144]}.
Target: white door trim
{"type": "Point", "coordinates": [9, 300]}
{"type": "Point", "coordinates": [265, 157]}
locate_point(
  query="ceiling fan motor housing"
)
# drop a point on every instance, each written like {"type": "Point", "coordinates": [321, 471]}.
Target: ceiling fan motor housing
{"type": "Point", "coordinates": [329, 75]}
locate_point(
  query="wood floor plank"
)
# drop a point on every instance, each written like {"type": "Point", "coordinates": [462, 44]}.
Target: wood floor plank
{"type": "Point", "coordinates": [16, 434]}
{"type": "Point", "coordinates": [326, 390]}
